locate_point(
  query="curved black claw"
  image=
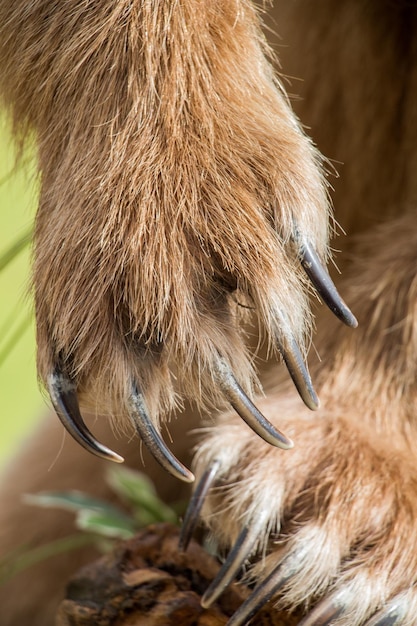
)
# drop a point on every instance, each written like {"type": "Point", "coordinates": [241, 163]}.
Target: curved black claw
{"type": "Point", "coordinates": [265, 590]}
{"type": "Point", "coordinates": [63, 394]}
{"type": "Point", "coordinates": [391, 615]}
{"type": "Point", "coordinates": [195, 505]}
{"type": "Point", "coordinates": [298, 371]}
{"type": "Point", "coordinates": [238, 555]}
{"type": "Point", "coordinates": [321, 280]}
{"type": "Point", "coordinates": [246, 409]}
{"type": "Point", "coordinates": [326, 611]}
{"type": "Point", "coordinates": [142, 422]}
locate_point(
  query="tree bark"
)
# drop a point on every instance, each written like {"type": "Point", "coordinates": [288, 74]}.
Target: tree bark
{"type": "Point", "coordinates": [147, 581]}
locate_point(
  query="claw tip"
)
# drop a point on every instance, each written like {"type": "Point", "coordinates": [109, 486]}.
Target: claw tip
{"type": "Point", "coordinates": [314, 403]}
{"type": "Point", "coordinates": [188, 477]}
{"type": "Point", "coordinates": [116, 458]}
{"type": "Point", "coordinates": [290, 444]}
{"type": "Point", "coordinates": [354, 322]}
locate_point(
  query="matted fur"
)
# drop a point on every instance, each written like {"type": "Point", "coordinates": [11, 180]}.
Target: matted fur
{"type": "Point", "coordinates": [174, 176]}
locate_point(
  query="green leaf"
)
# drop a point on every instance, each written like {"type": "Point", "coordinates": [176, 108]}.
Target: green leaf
{"type": "Point", "coordinates": [71, 501]}
{"type": "Point", "coordinates": [137, 490]}
{"type": "Point", "coordinates": [93, 515]}
{"type": "Point", "coordinates": [107, 525]}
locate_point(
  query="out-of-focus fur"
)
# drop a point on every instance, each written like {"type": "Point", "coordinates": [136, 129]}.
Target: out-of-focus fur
{"type": "Point", "coordinates": [173, 172]}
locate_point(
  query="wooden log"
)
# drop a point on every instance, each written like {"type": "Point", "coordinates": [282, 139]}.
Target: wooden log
{"type": "Point", "coordinates": [147, 581]}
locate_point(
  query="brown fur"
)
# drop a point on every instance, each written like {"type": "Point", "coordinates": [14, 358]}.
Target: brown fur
{"type": "Point", "coordinates": [172, 172]}
{"type": "Point", "coordinates": [191, 160]}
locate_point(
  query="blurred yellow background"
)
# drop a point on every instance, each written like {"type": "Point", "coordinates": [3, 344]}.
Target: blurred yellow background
{"type": "Point", "coordinates": [20, 400]}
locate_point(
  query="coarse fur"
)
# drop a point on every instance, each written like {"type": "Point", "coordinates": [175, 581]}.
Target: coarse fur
{"type": "Point", "coordinates": [183, 201]}
{"type": "Point", "coordinates": [175, 183]}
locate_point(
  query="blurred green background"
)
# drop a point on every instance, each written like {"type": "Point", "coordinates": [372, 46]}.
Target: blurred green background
{"type": "Point", "coordinates": [20, 400]}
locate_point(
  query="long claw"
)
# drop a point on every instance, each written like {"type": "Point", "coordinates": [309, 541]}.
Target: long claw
{"type": "Point", "coordinates": [391, 615]}
{"type": "Point", "coordinates": [298, 371]}
{"type": "Point", "coordinates": [63, 394]}
{"type": "Point", "coordinates": [326, 611]}
{"type": "Point", "coordinates": [247, 410]}
{"type": "Point", "coordinates": [264, 591]}
{"type": "Point", "coordinates": [195, 505]}
{"type": "Point", "coordinates": [237, 556]}
{"type": "Point", "coordinates": [324, 285]}
{"type": "Point", "coordinates": [142, 422]}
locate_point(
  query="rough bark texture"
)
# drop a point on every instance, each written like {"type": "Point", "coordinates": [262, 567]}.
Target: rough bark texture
{"type": "Point", "coordinates": [147, 581]}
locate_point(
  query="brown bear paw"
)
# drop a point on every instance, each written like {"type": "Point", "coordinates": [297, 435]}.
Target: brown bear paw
{"type": "Point", "coordinates": [329, 526]}
{"type": "Point", "coordinates": [178, 193]}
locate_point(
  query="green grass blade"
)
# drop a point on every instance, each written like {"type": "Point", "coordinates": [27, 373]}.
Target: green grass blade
{"type": "Point", "coordinates": [10, 343]}
{"type": "Point", "coordinates": [20, 560]}
{"type": "Point", "coordinates": [12, 251]}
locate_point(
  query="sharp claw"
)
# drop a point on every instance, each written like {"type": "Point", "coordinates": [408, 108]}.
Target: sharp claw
{"type": "Point", "coordinates": [385, 619]}
{"type": "Point", "coordinates": [195, 505]}
{"type": "Point", "coordinates": [237, 556]}
{"type": "Point", "coordinates": [324, 285]}
{"type": "Point", "coordinates": [246, 409]}
{"type": "Point", "coordinates": [142, 422]}
{"type": "Point", "coordinates": [264, 591]}
{"type": "Point", "coordinates": [63, 394]}
{"type": "Point", "coordinates": [325, 612]}
{"type": "Point", "coordinates": [391, 615]}
{"type": "Point", "coordinates": [298, 371]}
